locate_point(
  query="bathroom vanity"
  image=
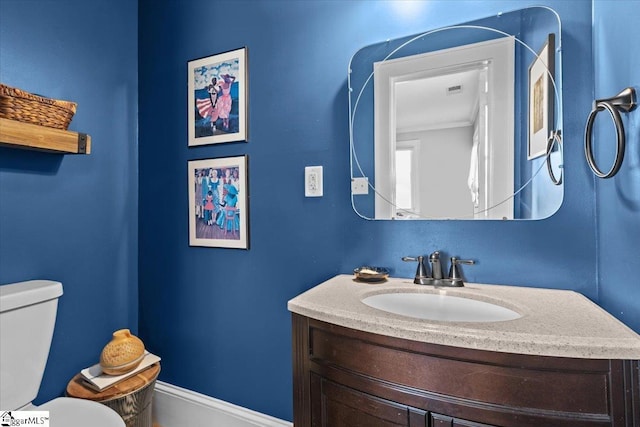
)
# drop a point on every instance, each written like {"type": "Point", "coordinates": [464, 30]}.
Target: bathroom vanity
{"type": "Point", "coordinates": [563, 362]}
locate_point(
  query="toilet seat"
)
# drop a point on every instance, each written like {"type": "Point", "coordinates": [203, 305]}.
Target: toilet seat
{"type": "Point", "coordinates": [71, 412]}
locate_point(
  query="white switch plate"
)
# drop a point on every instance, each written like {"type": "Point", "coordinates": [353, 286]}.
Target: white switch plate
{"type": "Point", "coordinates": [360, 185]}
{"type": "Point", "coordinates": [313, 181]}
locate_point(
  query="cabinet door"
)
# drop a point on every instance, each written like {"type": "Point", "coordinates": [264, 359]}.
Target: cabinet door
{"type": "Point", "coordinates": [438, 420]}
{"type": "Point", "coordinates": [465, 423]}
{"type": "Point", "coordinates": [334, 405]}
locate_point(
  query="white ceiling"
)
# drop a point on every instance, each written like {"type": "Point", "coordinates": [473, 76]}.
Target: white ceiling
{"type": "Point", "coordinates": [424, 104]}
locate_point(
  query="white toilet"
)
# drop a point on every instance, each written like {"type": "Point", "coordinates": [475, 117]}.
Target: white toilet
{"type": "Point", "coordinates": [27, 318]}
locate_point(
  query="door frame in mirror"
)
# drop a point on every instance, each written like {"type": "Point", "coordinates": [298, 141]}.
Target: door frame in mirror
{"type": "Point", "coordinates": [499, 56]}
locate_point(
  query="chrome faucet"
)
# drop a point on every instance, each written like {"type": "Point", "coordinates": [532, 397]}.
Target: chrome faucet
{"type": "Point", "coordinates": [422, 276]}
{"type": "Point", "coordinates": [455, 277]}
{"type": "Point", "coordinates": [436, 267]}
{"type": "Point", "coordinates": [436, 277]}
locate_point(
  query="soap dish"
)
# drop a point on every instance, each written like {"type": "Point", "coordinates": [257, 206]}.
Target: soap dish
{"type": "Point", "coordinates": [371, 274]}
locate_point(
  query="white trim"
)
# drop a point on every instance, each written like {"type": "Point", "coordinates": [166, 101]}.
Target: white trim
{"type": "Point", "coordinates": [499, 56]}
{"type": "Point", "coordinates": [177, 407]}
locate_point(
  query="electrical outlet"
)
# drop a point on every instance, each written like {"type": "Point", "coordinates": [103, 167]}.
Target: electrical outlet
{"type": "Point", "coordinates": [313, 181]}
{"type": "Point", "coordinates": [360, 185]}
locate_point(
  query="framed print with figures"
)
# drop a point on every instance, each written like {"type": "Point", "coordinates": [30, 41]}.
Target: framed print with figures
{"type": "Point", "coordinates": [217, 98]}
{"type": "Point", "coordinates": [218, 202]}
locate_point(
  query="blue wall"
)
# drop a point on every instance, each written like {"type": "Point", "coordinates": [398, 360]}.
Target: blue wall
{"type": "Point", "coordinates": [616, 67]}
{"type": "Point", "coordinates": [74, 218]}
{"type": "Point", "coordinates": [218, 316]}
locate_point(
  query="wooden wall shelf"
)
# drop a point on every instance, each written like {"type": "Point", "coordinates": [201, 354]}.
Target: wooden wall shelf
{"type": "Point", "coordinates": [33, 137]}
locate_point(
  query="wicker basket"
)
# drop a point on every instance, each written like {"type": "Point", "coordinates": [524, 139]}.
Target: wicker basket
{"type": "Point", "coordinates": [16, 104]}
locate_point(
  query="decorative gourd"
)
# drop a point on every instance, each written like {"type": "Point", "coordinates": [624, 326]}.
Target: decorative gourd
{"type": "Point", "coordinates": [122, 354]}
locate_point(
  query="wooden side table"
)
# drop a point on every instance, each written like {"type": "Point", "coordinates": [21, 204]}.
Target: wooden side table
{"type": "Point", "coordinates": [130, 398]}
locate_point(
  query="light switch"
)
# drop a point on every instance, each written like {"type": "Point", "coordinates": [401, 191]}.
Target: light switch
{"type": "Point", "coordinates": [313, 181]}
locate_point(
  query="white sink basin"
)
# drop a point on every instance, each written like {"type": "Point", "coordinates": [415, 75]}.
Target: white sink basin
{"type": "Point", "coordinates": [440, 307]}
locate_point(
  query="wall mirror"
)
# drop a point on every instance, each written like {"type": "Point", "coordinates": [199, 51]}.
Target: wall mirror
{"type": "Point", "coordinates": [460, 122]}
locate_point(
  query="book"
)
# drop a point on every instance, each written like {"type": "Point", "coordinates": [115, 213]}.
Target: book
{"type": "Point", "coordinates": [95, 379]}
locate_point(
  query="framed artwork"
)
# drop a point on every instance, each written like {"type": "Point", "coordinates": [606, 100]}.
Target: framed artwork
{"type": "Point", "coordinates": [541, 99]}
{"type": "Point", "coordinates": [218, 203]}
{"type": "Point", "coordinates": [218, 98]}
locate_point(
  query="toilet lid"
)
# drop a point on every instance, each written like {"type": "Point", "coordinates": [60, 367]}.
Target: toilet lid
{"type": "Point", "coordinates": [70, 412]}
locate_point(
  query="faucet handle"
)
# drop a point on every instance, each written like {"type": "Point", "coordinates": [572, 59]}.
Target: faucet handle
{"type": "Point", "coordinates": [454, 271]}
{"type": "Point", "coordinates": [422, 273]}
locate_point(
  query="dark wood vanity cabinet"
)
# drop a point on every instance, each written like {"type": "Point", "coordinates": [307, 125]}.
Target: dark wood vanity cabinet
{"type": "Point", "coordinates": [338, 406]}
{"type": "Point", "coordinates": [349, 378]}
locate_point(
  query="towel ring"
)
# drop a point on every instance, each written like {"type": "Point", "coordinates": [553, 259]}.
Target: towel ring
{"type": "Point", "coordinates": [625, 101]}
{"type": "Point", "coordinates": [554, 138]}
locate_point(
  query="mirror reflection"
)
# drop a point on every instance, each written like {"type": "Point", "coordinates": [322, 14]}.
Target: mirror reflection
{"type": "Point", "coordinates": [441, 119]}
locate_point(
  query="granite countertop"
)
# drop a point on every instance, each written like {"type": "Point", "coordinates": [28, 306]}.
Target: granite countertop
{"type": "Point", "coordinates": [553, 323]}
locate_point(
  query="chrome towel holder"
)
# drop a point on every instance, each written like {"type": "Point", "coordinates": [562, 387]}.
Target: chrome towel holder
{"type": "Point", "coordinates": [624, 101]}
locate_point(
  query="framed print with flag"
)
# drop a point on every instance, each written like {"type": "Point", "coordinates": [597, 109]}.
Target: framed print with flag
{"type": "Point", "coordinates": [217, 98]}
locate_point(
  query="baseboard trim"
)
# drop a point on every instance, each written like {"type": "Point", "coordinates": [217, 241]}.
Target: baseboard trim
{"type": "Point", "coordinates": [176, 407]}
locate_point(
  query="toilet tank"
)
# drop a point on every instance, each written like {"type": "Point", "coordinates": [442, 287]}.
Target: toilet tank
{"type": "Point", "coordinates": [27, 318]}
